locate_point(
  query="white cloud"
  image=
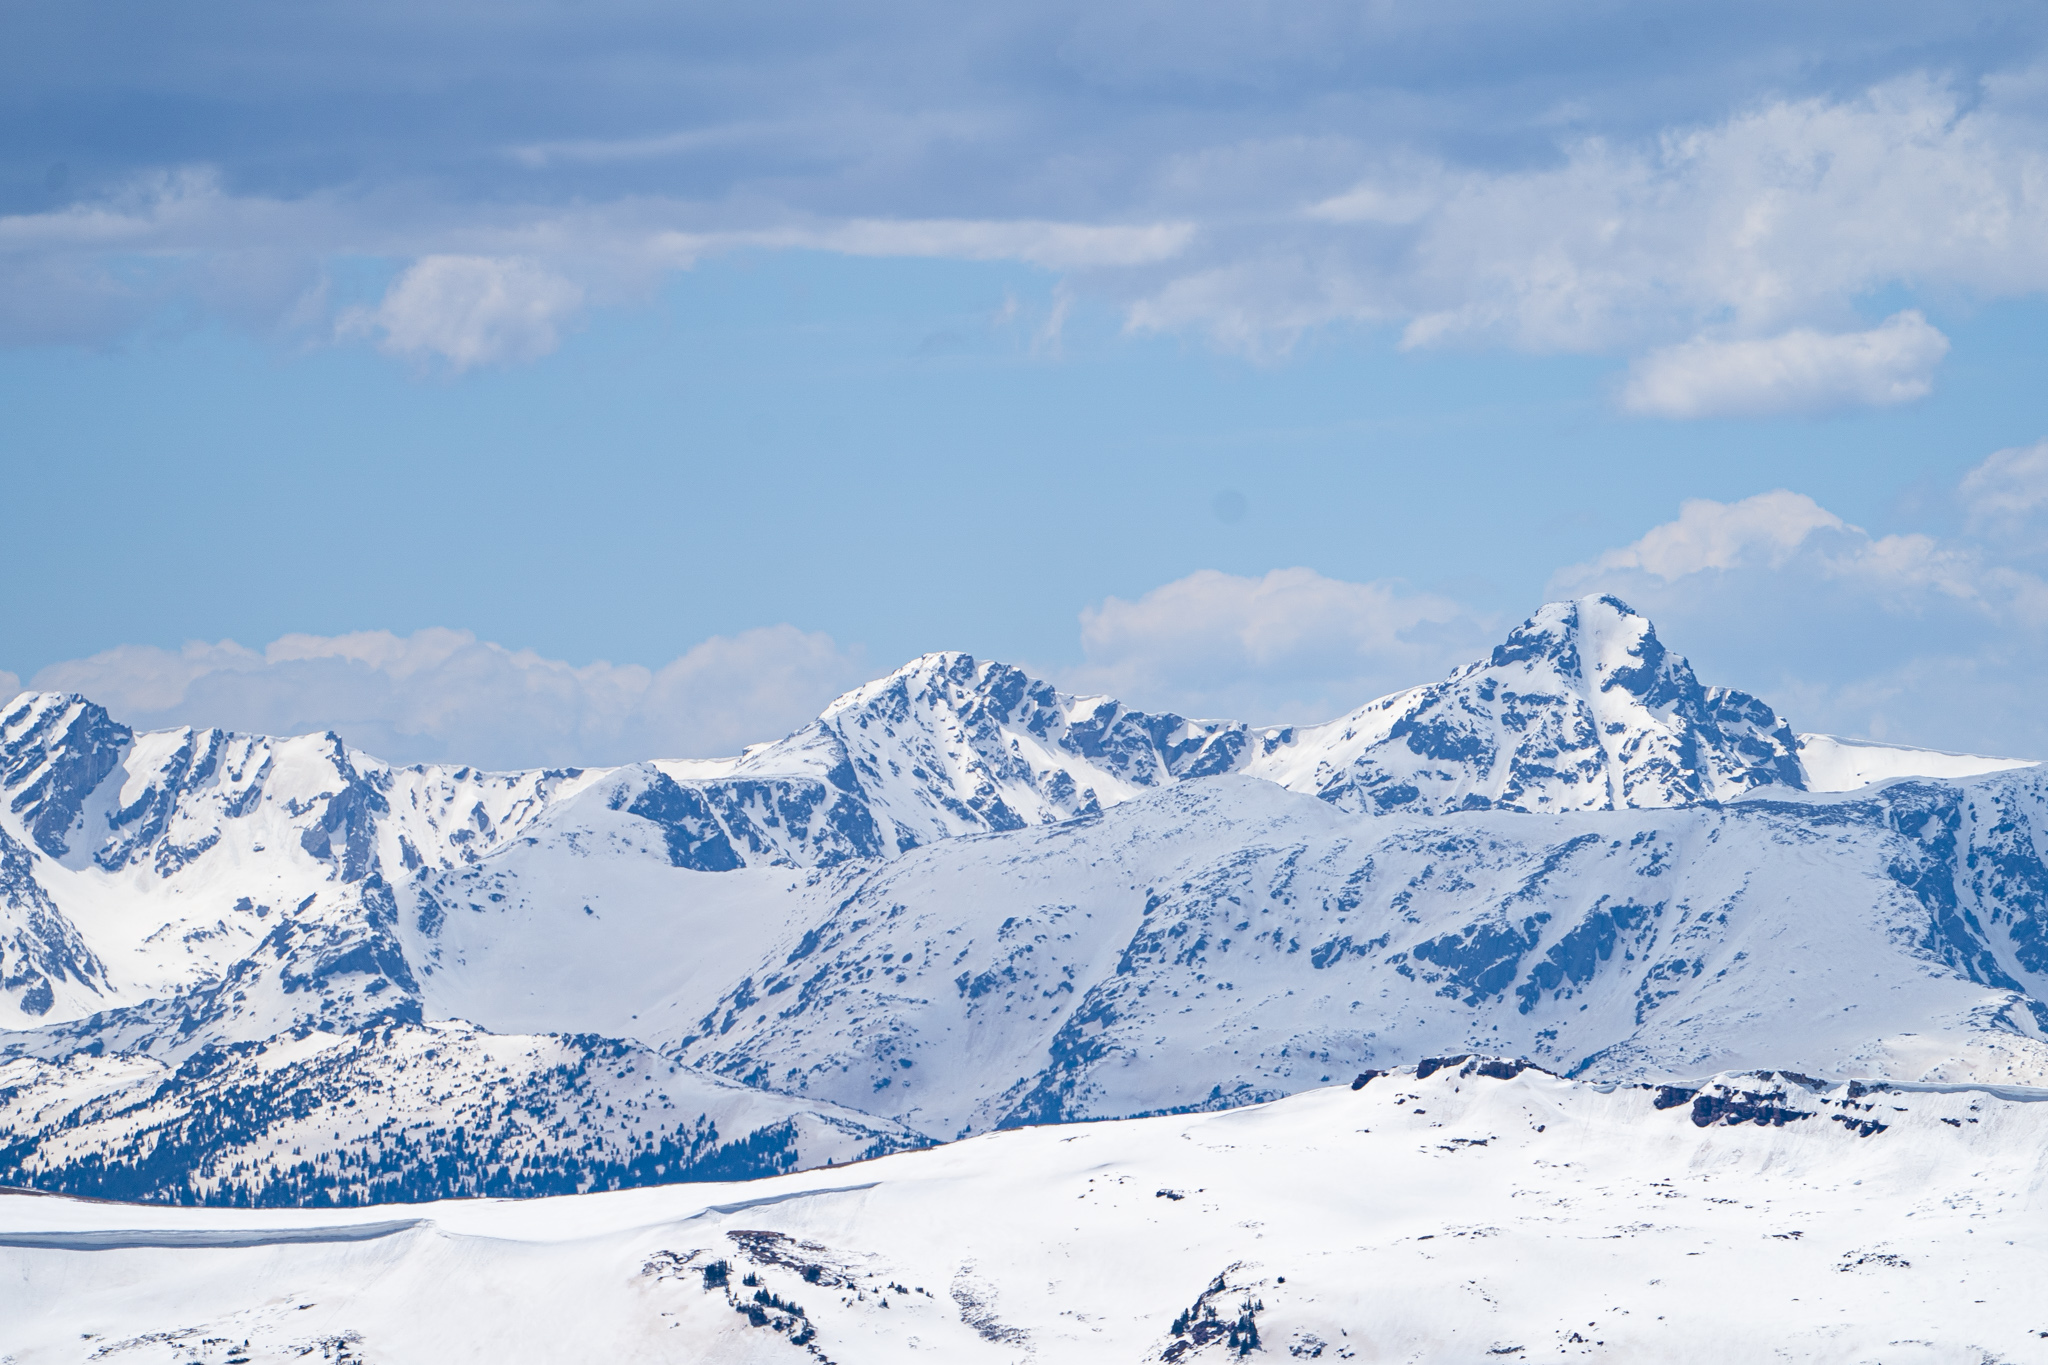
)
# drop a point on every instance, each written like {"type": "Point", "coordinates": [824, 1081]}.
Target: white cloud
{"type": "Point", "coordinates": [495, 285]}
{"type": "Point", "coordinates": [599, 151]}
{"type": "Point", "coordinates": [443, 695]}
{"type": "Point", "coordinates": [1056, 246]}
{"type": "Point", "coordinates": [1774, 218]}
{"type": "Point", "coordinates": [1727, 256]}
{"type": "Point", "coordinates": [1752, 236]}
{"type": "Point", "coordinates": [1763, 529]}
{"type": "Point", "coordinates": [1802, 371]}
{"type": "Point", "coordinates": [1046, 340]}
{"type": "Point", "coordinates": [2007, 488]}
{"type": "Point", "coordinates": [1260, 307]}
{"type": "Point", "coordinates": [471, 310]}
{"type": "Point", "coordinates": [1289, 645]}
{"type": "Point", "coordinates": [1397, 204]}
{"type": "Point", "coordinates": [91, 271]}
{"type": "Point", "coordinates": [1790, 532]}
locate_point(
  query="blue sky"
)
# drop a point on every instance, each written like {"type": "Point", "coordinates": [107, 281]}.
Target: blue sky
{"type": "Point", "coordinates": [569, 383]}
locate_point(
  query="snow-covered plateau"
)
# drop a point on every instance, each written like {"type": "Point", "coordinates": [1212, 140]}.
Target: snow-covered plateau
{"type": "Point", "coordinates": [1468, 1210]}
{"type": "Point", "coordinates": [245, 970]}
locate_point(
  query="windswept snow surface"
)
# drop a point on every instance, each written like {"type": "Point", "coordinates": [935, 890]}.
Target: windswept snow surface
{"type": "Point", "coordinates": [243, 969]}
{"type": "Point", "coordinates": [1477, 1212]}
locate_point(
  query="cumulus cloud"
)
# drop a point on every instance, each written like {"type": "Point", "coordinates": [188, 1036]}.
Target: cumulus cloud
{"type": "Point", "coordinates": [1772, 531]}
{"type": "Point", "coordinates": [1776, 215]}
{"type": "Point", "coordinates": [1289, 645]}
{"type": "Point", "coordinates": [1800, 371]}
{"type": "Point", "coordinates": [445, 696]}
{"type": "Point", "coordinates": [1906, 636]}
{"type": "Point", "coordinates": [470, 310]}
{"type": "Point", "coordinates": [1717, 535]}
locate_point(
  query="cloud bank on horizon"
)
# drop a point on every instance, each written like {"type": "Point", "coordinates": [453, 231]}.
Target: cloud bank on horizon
{"type": "Point", "coordinates": [444, 696]}
{"type": "Point", "coordinates": [1716, 197]}
{"type": "Point", "coordinates": [1935, 641]}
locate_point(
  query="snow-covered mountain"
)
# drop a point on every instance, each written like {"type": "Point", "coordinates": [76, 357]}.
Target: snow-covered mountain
{"type": "Point", "coordinates": [1230, 941]}
{"type": "Point", "coordinates": [1469, 1211]}
{"type": "Point", "coordinates": [241, 968]}
{"type": "Point", "coordinates": [1581, 708]}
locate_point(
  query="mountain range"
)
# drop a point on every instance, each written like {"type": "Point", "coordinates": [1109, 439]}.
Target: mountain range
{"type": "Point", "coordinates": [243, 969]}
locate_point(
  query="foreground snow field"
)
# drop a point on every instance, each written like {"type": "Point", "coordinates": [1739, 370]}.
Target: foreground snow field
{"type": "Point", "coordinates": [1476, 1212]}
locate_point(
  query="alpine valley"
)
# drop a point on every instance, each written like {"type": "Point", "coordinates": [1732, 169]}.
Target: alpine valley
{"type": "Point", "coordinates": [245, 970]}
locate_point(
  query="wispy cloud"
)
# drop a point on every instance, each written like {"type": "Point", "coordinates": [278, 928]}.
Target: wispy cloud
{"type": "Point", "coordinates": [487, 288]}
{"type": "Point", "coordinates": [652, 147]}
{"type": "Point", "coordinates": [1056, 246]}
{"type": "Point", "coordinates": [1800, 371]}
{"type": "Point", "coordinates": [2007, 490]}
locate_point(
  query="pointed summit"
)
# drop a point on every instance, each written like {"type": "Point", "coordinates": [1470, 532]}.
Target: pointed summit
{"type": "Point", "coordinates": [949, 745]}
{"type": "Point", "coordinates": [1580, 708]}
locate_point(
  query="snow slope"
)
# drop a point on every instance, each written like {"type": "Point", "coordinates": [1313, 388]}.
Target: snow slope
{"type": "Point", "coordinates": [1834, 764]}
{"type": "Point", "coordinates": [1208, 946]}
{"type": "Point", "coordinates": [1472, 1213]}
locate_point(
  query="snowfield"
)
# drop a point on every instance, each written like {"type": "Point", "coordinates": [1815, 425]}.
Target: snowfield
{"type": "Point", "coordinates": [1476, 1212]}
{"type": "Point", "coordinates": [1833, 764]}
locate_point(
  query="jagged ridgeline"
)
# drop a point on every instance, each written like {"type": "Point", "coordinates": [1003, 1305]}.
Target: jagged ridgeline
{"type": "Point", "coordinates": [238, 968]}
